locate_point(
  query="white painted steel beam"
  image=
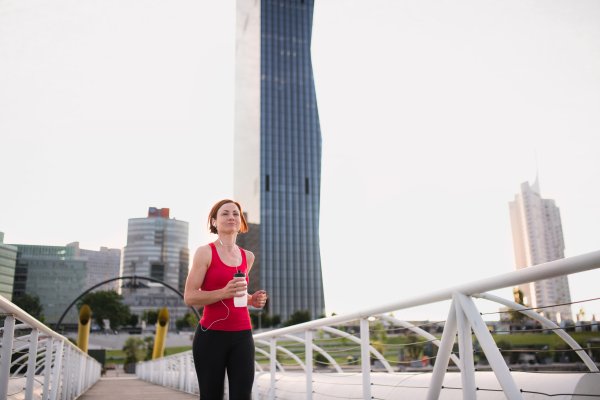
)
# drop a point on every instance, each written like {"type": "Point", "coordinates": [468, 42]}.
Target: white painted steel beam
{"type": "Point", "coordinates": [465, 348]}
{"type": "Point", "coordinates": [317, 348]}
{"type": "Point", "coordinates": [546, 322]}
{"type": "Point", "coordinates": [273, 359]}
{"type": "Point", "coordinates": [353, 338]}
{"type": "Point", "coordinates": [511, 391]}
{"type": "Point", "coordinates": [33, 343]}
{"type": "Point", "coordinates": [365, 358]}
{"type": "Point", "coordinates": [308, 356]}
{"type": "Point", "coordinates": [420, 332]}
{"type": "Point", "coordinates": [286, 351]}
{"type": "Point", "coordinates": [444, 353]}
{"type": "Point", "coordinates": [539, 272]}
{"type": "Point", "coordinates": [6, 354]}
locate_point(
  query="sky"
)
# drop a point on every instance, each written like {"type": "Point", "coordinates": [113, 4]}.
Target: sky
{"type": "Point", "coordinates": [432, 114]}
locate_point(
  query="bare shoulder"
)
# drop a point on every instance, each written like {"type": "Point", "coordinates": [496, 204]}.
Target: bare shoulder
{"type": "Point", "coordinates": [203, 255]}
{"type": "Point", "coordinates": [249, 256]}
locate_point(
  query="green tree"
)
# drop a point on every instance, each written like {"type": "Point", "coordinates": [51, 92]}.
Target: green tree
{"type": "Point", "coordinates": [133, 320]}
{"type": "Point", "coordinates": [32, 305]}
{"type": "Point", "coordinates": [297, 317]}
{"type": "Point", "coordinates": [276, 320]}
{"type": "Point", "coordinates": [133, 349]}
{"type": "Point", "coordinates": [149, 346]}
{"type": "Point", "coordinates": [106, 305]}
{"type": "Point", "coordinates": [189, 320]}
{"type": "Point", "coordinates": [150, 316]}
{"type": "Point", "coordinates": [414, 350]}
{"type": "Point", "coordinates": [517, 316]}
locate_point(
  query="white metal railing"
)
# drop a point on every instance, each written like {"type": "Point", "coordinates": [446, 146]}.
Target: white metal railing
{"type": "Point", "coordinates": [38, 363]}
{"type": "Point", "coordinates": [177, 371]}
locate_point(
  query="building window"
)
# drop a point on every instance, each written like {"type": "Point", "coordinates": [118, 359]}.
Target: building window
{"type": "Point", "coordinates": [306, 185]}
{"type": "Point", "coordinates": [267, 183]}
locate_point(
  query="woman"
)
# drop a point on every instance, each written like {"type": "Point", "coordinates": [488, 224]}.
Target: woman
{"type": "Point", "coordinates": [223, 339]}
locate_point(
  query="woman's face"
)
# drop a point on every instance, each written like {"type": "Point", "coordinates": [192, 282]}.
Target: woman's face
{"type": "Point", "coordinates": [228, 219]}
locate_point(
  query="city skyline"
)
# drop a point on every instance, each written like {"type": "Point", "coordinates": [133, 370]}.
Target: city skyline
{"type": "Point", "coordinates": [430, 111]}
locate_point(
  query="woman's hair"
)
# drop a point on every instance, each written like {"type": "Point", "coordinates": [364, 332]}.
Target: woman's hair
{"type": "Point", "coordinates": [215, 210]}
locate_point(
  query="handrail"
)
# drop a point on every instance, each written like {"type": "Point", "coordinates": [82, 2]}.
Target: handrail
{"type": "Point", "coordinates": [553, 269]}
{"type": "Point", "coordinates": [463, 321]}
{"type": "Point", "coordinates": [22, 316]}
{"type": "Point", "coordinates": [68, 371]}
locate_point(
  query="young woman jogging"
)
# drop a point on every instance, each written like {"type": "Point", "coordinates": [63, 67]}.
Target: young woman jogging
{"type": "Point", "coordinates": [223, 339]}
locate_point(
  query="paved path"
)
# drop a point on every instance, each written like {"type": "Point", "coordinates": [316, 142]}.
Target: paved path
{"type": "Point", "coordinates": [131, 388]}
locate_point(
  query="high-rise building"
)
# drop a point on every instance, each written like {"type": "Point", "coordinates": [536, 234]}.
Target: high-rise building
{"type": "Point", "coordinates": [537, 239]}
{"type": "Point", "coordinates": [157, 246]}
{"type": "Point", "coordinates": [54, 274]}
{"type": "Point", "coordinates": [277, 150]}
{"type": "Point", "coordinates": [8, 259]}
{"type": "Point", "coordinates": [101, 265]}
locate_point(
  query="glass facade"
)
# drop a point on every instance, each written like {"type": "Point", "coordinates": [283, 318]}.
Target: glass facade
{"type": "Point", "coordinates": [53, 273]}
{"type": "Point", "coordinates": [157, 247]}
{"type": "Point", "coordinates": [290, 152]}
{"type": "Point", "coordinates": [8, 259]}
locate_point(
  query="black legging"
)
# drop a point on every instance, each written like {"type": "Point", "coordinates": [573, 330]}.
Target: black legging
{"type": "Point", "coordinates": [215, 351]}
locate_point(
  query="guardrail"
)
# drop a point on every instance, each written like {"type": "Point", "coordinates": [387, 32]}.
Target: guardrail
{"type": "Point", "coordinates": [177, 371]}
{"type": "Point", "coordinates": [38, 363]}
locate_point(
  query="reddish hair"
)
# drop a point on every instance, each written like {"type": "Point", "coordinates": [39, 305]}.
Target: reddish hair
{"type": "Point", "coordinates": [213, 215]}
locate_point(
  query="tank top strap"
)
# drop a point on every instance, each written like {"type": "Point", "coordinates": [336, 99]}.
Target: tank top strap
{"type": "Point", "coordinates": [244, 263]}
{"type": "Point", "coordinates": [215, 255]}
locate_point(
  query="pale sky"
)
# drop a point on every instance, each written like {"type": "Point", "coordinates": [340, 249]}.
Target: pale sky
{"type": "Point", "coordinates": [432, 114]}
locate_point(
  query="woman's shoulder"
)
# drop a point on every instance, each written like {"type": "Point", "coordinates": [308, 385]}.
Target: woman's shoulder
{"type": "Point", "coordinates": [249, 254]}
{"type": "Point", "coordinates": [203, 252]}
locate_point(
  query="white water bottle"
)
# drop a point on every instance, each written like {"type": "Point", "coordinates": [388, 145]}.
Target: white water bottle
{"type": "Point", "coordinates": [241, 301]}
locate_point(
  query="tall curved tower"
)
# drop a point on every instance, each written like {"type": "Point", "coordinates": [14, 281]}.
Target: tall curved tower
{"type": "Point", "coordinates": [277, 149]}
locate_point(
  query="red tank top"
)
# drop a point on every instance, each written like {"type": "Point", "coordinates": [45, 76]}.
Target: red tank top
{"type": "Point", "coordinates": [217, 277]}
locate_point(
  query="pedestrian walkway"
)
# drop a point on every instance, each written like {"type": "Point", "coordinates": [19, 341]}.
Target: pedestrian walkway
{"type": "Point", "coordinates": [131, 388]}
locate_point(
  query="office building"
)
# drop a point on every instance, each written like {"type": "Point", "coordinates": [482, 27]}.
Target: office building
{"type": "Point", "coordinates": [277, 150]}
{"type": "Point", "coordinates": [537, 239]}
{"type": "Point", "coordinates": [157, 247]}
{"type": "Point", "coordinates": [101, 265]}
{"type": "Point", "coordinates": [54, 274]}
{"type": "Point", "coordinates": [8, 260]}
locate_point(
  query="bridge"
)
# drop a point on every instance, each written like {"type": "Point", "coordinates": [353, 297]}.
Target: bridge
{"type": "Point", "coordinates": [45, 365]}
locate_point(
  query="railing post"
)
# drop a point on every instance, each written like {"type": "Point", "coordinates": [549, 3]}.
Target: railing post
{"type": "Point", "coordinates": [465, 349]}
{"type": "Point", "coordinates": [443, 356]}
{"type": "Point", "coordinates": [272, 359]}
{"type": "Point", "coordinates": [33, 342]}
{"type": "Point", "coordinates": [365, 355]}
{"type": "Point", "coordinates": [511, 391]}
{"type": "Point", "coordinates": [181, 360]}
{"type": "Point", "coordinates": [57, 370]}
{"type": "Point", "coordinates": [188, 372]}
{"type": "Point", "coordinates": [6, 354]}
{"type": "Point", "coordinates": [47, 367]}
{"type": "Point", "coordinates": [66, 378]}
{"type": "Point", "coordinates": [308, 337]}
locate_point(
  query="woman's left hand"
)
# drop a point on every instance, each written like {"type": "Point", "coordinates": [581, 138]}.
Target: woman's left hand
{"type": "Point", "coordinates": [259, 299]}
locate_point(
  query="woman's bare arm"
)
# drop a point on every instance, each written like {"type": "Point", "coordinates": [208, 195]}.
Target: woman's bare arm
{"type": "Point", "coordinates": [193, 296]}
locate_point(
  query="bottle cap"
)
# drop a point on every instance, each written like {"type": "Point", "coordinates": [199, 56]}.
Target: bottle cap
{"type": "Point", "coordinates": [239, 274]}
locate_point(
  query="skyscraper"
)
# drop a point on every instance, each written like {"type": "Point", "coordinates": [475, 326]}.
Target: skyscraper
{"type": "Point", "coordinates": [157, 246]}
{"type": "Point", "coordinates": [537, 239]}
{"type": "Point", "coordinates": [101, 265]}
{"type": "Point", "coordinates": [277, 149]}
{"type": "Point", "coordinates": [55, 274]}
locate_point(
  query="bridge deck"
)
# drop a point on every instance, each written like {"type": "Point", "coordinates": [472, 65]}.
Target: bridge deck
{"type": "Point", "coordinates": [131, 388]}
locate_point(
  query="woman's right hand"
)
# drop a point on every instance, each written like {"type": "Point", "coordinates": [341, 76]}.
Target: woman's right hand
{"type": "Point", "coordinates": [233, 287]}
